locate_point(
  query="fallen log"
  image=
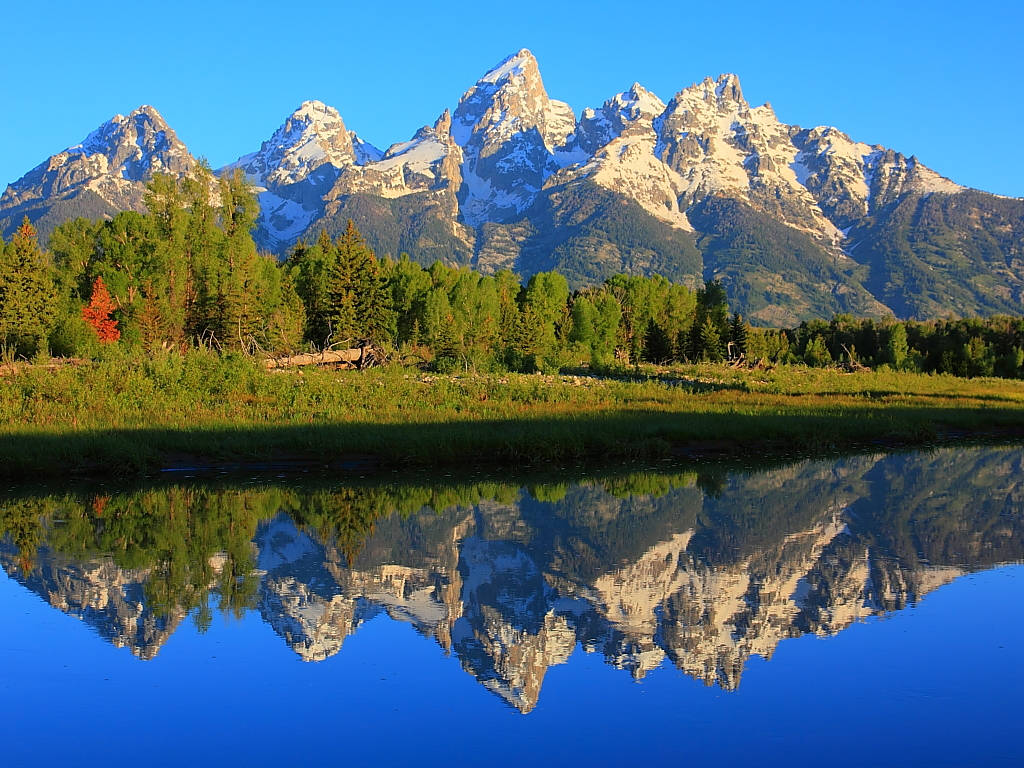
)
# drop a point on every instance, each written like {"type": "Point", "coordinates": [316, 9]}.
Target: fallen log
{"type": "Point", "coordinates": [352, 358]}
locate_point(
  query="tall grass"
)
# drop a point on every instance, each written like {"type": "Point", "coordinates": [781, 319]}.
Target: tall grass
{"type": "Point", "coordinates": [128, 415]}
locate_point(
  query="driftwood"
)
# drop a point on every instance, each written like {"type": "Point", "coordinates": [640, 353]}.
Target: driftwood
{"type": "Point", "coordinates": [851, 365]}
{"type": "Point", "coordinates": [13, 367]}
{"type": "Point", "coordinates": [365, 356]}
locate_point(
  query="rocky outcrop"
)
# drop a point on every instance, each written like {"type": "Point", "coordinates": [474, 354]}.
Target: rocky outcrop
{"type": "Point", "coordinates": [107, 172]}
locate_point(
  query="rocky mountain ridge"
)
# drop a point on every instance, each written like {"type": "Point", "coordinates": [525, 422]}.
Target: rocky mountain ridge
{"type": "Point", "coordinates": [797, 223]}
{"type": "Point", "coordinates": [105, 173]}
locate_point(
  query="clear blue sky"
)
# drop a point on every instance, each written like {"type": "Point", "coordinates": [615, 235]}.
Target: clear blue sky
{"type": "Point", "coordinates": [942, 80]}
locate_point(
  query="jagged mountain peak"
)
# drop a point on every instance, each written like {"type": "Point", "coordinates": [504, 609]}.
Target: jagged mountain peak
{"type": "Point", "coordinates": [443, 124]}
{"type": "Point", "coordinates": [636, 106]}
{"type": "Point", "coordinates": [509, 99]}
{"type": "Point", "coordinates": [637, 103]}
{"type": "Point", "coordinates": [520, 64]}
{"type": "Point", "coordinates": [513, 138]}
{"type": "Point", "coordinates": [148, 110]}
{"type": "Point", "coordinates": [313, 109]}
{"type": "Point", "coordinates": [112, 163]}
{"type": "Point", "coordinates": [723, 92]}
{"type": "Point", "coordinates": [312, 136]}
{"type": "Point", "coordinates": [145, 111]}
{"type": "Point", "coordinates": [139, 140]}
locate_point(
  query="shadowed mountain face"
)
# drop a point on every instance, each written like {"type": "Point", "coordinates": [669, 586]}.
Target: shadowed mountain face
{"type": "Point", "coordinates": [796, 222]}
{"type": "Point", "coordinates": [698, 570]}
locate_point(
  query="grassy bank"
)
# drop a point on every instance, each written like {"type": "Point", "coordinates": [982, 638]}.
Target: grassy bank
{"type": "Point", "coordinates": [125, 416]}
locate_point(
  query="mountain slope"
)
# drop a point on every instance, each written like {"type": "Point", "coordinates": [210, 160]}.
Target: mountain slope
{"type": "Point", "coordinates": [939, 255]}
{"type": "Point", "coordinates": [296, 166]}
{"type": "Point", "coordinates": [107, 172]}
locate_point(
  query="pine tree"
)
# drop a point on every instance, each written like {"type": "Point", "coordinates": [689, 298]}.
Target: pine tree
{"type": "Point", "coordinates": [98, 313]}
{"type": "Point", "coordinates": [710, 341]}
{"type": "Point", "coordinates": [657, 345]}
{"type": "Point", "coordinates": [738, 334]}
{"type": "Point", "coordinates": [374, 313]}
{"type": "Point", "coordinates": [349, 269]}
{"type": "Point", "coordinates": [27, 292]}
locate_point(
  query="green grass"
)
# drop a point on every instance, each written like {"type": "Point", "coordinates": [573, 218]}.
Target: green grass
{"type": "Point", "coordinates": [125, 416]}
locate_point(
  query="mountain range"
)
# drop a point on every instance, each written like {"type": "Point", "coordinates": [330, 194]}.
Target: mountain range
{"type": "Point", "coordinates": [796, 222]}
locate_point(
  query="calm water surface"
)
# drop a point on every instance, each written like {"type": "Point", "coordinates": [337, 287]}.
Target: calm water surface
{"type": "Point", "coordinates": [864, 611]}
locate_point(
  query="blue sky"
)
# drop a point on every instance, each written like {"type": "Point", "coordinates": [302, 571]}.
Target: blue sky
{"type": "Point", "coordinates": [942, 80]}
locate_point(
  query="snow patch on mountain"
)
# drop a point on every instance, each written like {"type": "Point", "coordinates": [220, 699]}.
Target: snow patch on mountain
{"type": "Point", "coordinates": [285, 219]}
{"type": "Point", "coordinates": [417, 155]}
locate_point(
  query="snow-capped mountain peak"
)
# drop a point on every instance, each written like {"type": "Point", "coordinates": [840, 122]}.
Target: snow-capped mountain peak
{"type": "Point", "coordinates": [519, 64]}
{"type": "Point", "coordinates": [638, 102]}
{"type": "Point", "coordinates": [722, 94]}
{"type": "Point", "coordinates": [132, 146]}
{"type": "Point", "coordinates": [297, 166]}
{"type": "Point", "coordinates": [113, 162]}
{"type": "Point", "coordinates": [513, 137]}
{"type": "Point", "coordinates": [314, 135]}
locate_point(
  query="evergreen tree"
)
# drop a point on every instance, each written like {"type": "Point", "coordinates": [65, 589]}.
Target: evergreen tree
{"type": "Point", "coordinates": [529, 340]}
{"type": "Point", "coordinates": [896, 346]}
{"type": "Point", "coordinates": [311, 268]}
{"type": "Point", "coordinates": [27, 293]}
{"type": "Point", "coordinates": [448, 349]}
{"type": "Point", "coordinates": [98, 313]}
{"type": "Point", "coordinates": [738, 333]}
{"type": "Point", "coordinates": [710, 341]}
{"type": "Point", "coordinates": [711, 313]}
{"type": "Point", "coordinates": [374, 310]}
{"type": "Point", "coordinates": [713, 303]}
{"type": "Point", "coordinates": [657, 345]}
{"type": "Point", "coordinates": [360, 303]}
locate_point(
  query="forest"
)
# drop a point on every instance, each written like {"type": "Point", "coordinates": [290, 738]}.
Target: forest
{"type": "Point", "coordinates": [187, 274]}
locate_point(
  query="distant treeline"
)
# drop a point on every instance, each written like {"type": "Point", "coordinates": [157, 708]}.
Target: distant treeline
{"type": "Point", "coordinates": [188, 273]}
{"type": "Point", "coordinates": [991, 346]}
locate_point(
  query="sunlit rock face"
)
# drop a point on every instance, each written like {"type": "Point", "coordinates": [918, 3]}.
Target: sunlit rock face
{"type": "Point", "coordinates": [105, 173]}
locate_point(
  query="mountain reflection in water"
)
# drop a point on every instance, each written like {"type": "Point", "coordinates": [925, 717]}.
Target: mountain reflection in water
{"type": "Point", "coordinates": [701, 568]}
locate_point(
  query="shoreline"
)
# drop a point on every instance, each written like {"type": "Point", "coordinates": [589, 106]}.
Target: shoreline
{"type": "Point", "coordinates": [297, 463]}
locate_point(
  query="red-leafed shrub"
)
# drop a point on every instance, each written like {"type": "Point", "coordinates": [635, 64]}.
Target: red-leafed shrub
{"type": "Point", "coordinates": [97, 313]}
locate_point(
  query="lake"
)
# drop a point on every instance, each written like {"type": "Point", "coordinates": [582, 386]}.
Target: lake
{"type": "Point", "coordinates": [862, 610]}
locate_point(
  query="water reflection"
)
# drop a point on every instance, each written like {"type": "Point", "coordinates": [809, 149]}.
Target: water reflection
{"type": "Point", "coordinates": [703, 569]}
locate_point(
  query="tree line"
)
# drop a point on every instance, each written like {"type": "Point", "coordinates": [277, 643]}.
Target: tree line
{"type": "Point", "coordinates": [967, 347]}
{"type": "Point", "coordinates": [188, 273]}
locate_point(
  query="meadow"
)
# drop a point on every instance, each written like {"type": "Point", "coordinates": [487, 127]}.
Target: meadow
{"type": "Point", "coordinates": [128, 416]}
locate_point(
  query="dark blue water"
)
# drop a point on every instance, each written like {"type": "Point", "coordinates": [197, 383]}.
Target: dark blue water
{"type": "Point", "coordinates": [851, 612]}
